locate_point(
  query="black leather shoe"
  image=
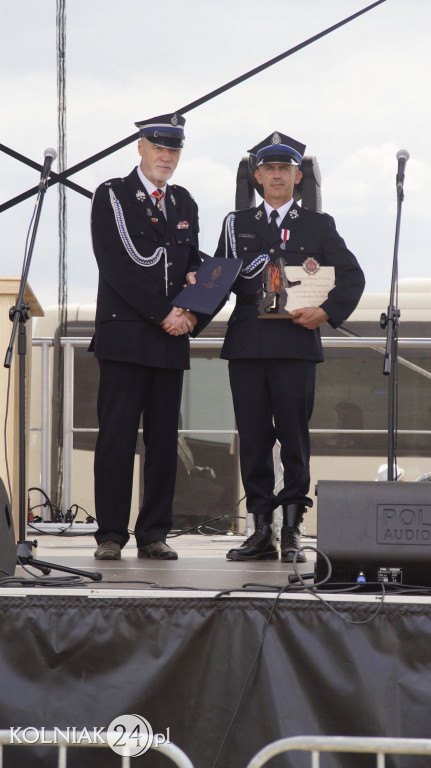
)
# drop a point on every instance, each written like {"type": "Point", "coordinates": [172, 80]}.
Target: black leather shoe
{"type": "Point", "coordinates": [108, 550]}
{"type": "Point", "coordinates": [291, 535]}
{"type": "Point", "coordinates": [157, 550]}
{"type": "Point", "coordinates": [259, 546]}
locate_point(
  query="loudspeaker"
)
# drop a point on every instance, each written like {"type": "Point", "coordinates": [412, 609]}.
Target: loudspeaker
{"type": "Point", "coordinates": [379, 529]}
{"type": "Point", "coordinates": [7, 535]}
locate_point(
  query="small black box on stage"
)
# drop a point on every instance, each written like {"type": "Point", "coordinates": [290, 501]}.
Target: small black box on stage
{"type": "Point", "coordinates": [7, 535]}
{"type": "Point", "coordinates": [380, 529]}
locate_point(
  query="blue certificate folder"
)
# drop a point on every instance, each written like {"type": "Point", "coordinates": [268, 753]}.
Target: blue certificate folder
{"type": "Point", "coordinates": [214, 279]}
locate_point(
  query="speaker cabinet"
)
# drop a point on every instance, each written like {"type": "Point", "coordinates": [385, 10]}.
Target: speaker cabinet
{"type": "Point", "coordinates": [380, 529]}
{"type": "Point", "coordinates": [7, 535]}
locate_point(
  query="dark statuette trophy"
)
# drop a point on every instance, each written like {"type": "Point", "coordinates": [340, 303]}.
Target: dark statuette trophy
{"type": "Point", "coordinates": [273, 294]}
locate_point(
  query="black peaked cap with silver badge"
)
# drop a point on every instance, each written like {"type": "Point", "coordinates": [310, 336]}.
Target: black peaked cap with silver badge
{"type": "Point", "coordinates": [278, 148]}
{"type": "Point", "coordinates": [164, 130]}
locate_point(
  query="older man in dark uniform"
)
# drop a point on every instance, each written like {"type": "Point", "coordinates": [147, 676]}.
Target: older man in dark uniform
{"type": "Point", "coordinates": [145, 239]}
{"type": "Point", "coordinates": [272, 361]}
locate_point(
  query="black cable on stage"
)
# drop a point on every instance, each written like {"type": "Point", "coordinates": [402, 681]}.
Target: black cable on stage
{"type": "Point", "coordinates": [282, 590]}
{"type": "Point", "coordinates": [249, 676]}
{"type": "Point", "coordinates": [61, 177]}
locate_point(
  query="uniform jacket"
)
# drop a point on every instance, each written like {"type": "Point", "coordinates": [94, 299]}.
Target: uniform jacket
{"type": "Point", "coordinates": [311, 235]}
{"type": "Point", "coordinates": [143, 260]}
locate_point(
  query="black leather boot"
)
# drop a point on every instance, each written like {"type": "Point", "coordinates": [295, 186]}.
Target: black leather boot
{"type": "Point", "coordinates": [260, 545]}
{"type": "Point", "coordinates": [290, 534]}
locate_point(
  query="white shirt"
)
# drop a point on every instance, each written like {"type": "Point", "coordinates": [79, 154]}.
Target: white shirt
{"type": "Point", "coordinates": [150, 187]}
{"type": "Point", "coordinates": [281, 211]}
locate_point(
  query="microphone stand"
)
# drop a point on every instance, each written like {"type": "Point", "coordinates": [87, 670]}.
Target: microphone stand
{"type": "Point", "coordinates": [19, 314]}
{"type": "Point", "coordinates": [390, 321]}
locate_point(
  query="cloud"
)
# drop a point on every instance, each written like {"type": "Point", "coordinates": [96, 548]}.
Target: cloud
{"type": "Point", "coordinates": [355, 98]}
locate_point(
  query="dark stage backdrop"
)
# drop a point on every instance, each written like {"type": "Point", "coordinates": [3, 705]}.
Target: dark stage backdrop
{"type": "Point", "coordinates": [183, 663]}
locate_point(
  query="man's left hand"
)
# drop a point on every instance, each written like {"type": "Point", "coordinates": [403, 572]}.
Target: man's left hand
{"type": "Point", "coordinates": [309, 317]}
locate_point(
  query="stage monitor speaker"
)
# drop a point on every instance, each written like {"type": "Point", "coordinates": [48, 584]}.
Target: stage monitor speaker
{"type": "Point", "coordinates": [7, 535]}
{"type": "Point", "coordinates": [380, 529]}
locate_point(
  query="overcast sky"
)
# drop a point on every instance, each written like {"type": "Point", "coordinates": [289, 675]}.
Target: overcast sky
{"type": "Point", "coordinates": [355, 98]}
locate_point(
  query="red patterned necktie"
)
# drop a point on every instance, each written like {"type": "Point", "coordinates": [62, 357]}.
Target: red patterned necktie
{"type": "Point", "coordinates": [159, 195]}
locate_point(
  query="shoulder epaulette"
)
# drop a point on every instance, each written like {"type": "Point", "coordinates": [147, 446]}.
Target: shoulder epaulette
{"type": "Point", "coordinates": [114, 182]}
{"type": "Point", "coordinates": [308, 210]}
{"type": "Point", "coordinates": [180, 189]}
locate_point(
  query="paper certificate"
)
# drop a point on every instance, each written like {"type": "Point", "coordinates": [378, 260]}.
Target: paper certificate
{"type": "Point", "coordinates": [308, 290]}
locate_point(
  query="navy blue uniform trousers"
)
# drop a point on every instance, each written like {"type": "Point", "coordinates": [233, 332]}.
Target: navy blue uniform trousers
{"type": "Point", "coordinates": [128, 391]}
{"type": "Point", "coordinates": [273, 400]}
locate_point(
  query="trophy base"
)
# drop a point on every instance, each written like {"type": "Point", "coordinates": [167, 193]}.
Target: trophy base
{"type": "Point", "coordinates": [275, 316]}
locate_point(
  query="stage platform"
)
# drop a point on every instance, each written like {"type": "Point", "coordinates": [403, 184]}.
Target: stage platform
{"type": "Point", "coordinates": [201, 564]}
{"type": "Point", "coordinates": [221, 667]}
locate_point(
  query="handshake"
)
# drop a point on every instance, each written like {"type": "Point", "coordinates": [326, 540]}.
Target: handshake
{"type": "Point", "coordinates": [180, 321]}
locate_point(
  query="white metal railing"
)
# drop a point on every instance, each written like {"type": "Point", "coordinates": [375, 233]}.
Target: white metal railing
{"type": "Point", "coordinates": [69, 344]}
{"type": "Point", "coordinates": [315, 745]}
{"type": "Point", "coordinates": [55, 739]}
{"type": "Point", "coordinates": [362, 744]}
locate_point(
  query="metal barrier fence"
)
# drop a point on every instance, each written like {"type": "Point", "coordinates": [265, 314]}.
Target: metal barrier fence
{"type": "Point", "coordinates": [55, 739]}
{"type": "Point", "coordinates": [69, 344]}
{"type": "Point", "coordinates": [317, 744]}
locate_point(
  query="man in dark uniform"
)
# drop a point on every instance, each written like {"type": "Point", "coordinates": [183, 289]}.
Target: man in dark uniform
{"type": "Point", "coordinates": [272, 361]}
{"type": "Point", "coordinates": [145, 239]}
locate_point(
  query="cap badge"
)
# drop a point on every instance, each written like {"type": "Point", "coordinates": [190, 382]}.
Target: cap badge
{"type": "Point", "coordinates": [276, 138]}
{"type": "Point", "coordinates": [311, 266]}
{"type": "Point", "coordinates": [259, 214]}
{"type": "Point", "coordinates": [293, 214]}
{"type": "Point", "coordinates": [140, 195]}
{"type": "Point", "coordinates": [174, 120]}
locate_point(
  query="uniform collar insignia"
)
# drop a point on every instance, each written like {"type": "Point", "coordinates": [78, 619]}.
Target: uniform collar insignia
{"type": "Point", "coordinates": [173, 201]}
{"type": "Point", "coordinates": [293, 214]}
{"type": "Point", "coordinates": [140, 195]}
{"type": "Point", "coordinates": [258, 215]}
